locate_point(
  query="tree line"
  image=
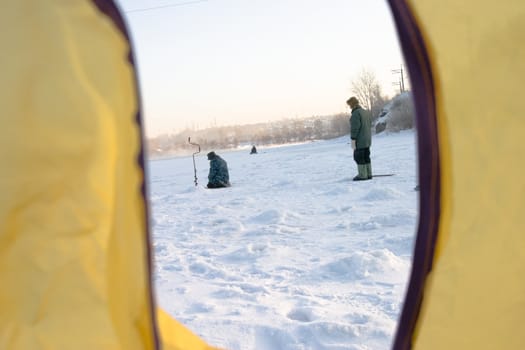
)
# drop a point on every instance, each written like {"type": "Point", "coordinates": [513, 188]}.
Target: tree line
{"type": "Point", "coordinates": [270, 133]}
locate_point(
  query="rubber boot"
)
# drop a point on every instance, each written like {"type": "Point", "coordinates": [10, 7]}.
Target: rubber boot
{"type": "Point", "coordinates": [368, 170]}
{"type": "Point", "coordinates": [361, 168]}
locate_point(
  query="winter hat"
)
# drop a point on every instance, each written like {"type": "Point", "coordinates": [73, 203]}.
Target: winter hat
{"type": "Point", "coordinates": [211, 155]}
{"type": "Point", "coordinates": [352, 102]}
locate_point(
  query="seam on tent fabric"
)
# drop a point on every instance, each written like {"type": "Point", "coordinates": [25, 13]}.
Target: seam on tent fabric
{"type": "Point", "coordinates": [110, 9]}
{"type": "Point", "coordinates": [417, 59]}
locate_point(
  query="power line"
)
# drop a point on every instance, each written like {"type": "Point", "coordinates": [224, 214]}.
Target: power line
{"type": "Point", "coordinates": [401, 82]}
{"type": "Point", "coordinates": [165, 6]}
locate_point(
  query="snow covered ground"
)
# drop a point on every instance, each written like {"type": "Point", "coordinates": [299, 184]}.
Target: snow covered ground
{"type": "Point", "coordinates": [294, 255]}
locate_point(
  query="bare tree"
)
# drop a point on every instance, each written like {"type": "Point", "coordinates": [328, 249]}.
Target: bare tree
{"type": "Point", "coordinates": [367, 90]}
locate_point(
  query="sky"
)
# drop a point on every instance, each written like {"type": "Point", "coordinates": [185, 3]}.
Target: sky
{"type": "Point", "coordinates": [227, 62]}
{"type": "Point", "coordinates": [294, 255]}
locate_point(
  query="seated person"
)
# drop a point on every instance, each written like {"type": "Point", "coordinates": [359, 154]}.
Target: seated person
{"type": "Point", "coordinates": [218, 176]}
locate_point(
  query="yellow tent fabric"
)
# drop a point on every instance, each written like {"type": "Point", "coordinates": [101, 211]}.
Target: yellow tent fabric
{"type": "Point", "coordinates": [74, 246]}
{"type": "Point", "coordinates": [474, 293]}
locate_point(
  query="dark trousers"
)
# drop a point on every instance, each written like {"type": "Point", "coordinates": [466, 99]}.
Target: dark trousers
{"type": "Point", "coordinates": [362, 155]}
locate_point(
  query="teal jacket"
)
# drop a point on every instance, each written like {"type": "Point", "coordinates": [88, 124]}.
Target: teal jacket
{"type": "Point", "coordinates": [361, 127]}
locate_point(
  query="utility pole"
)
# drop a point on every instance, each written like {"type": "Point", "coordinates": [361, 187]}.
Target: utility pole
{"type": "Point", "coordinates": [398, 84]}
{"type": "Point", "coordinates": [401, 81]}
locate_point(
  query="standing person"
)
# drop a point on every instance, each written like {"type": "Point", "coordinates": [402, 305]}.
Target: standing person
{"type": "Point", "coordinates": [361, 135]}
{"type": "Point", "coordinates": [218, 176]}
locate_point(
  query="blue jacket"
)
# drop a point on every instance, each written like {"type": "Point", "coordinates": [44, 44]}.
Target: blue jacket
{"type": "Point", "coordinates": [219, 172]}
